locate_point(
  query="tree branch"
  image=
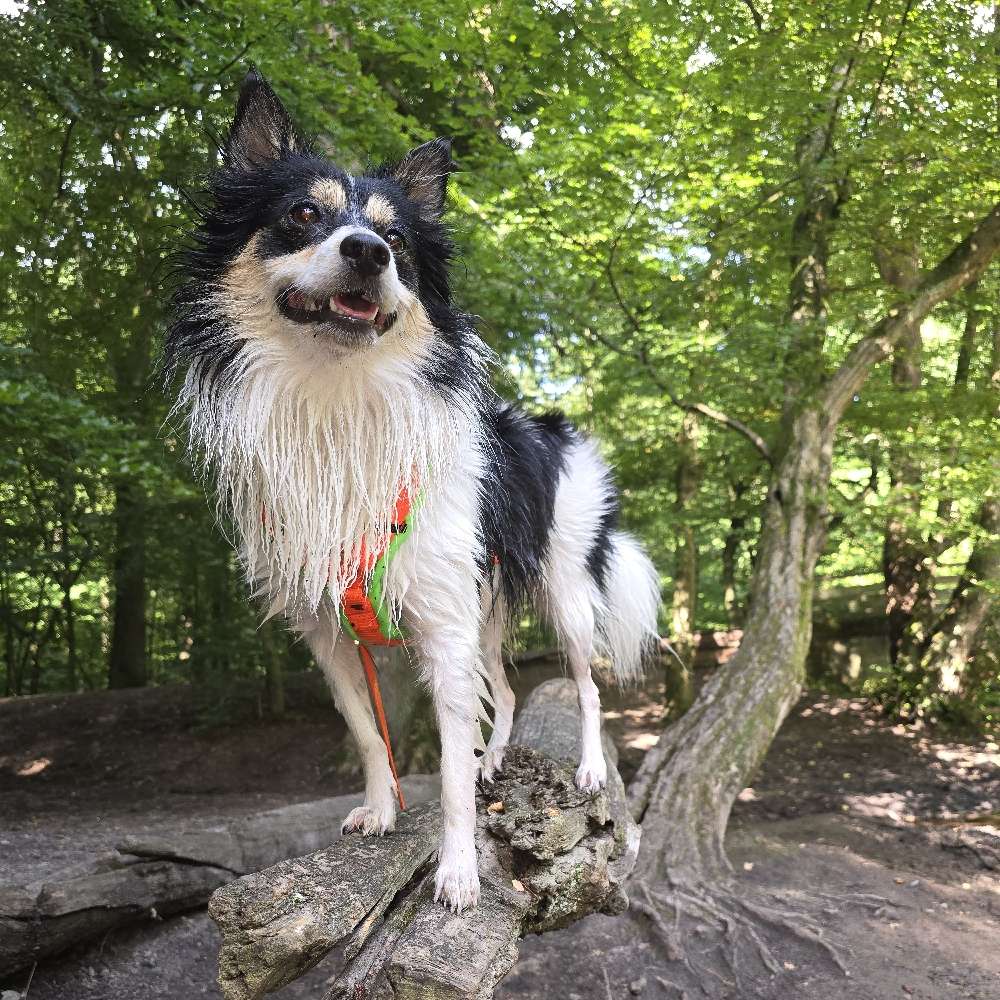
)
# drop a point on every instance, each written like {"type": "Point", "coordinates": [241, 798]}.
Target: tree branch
{"type": "Point", "coordinates": [966, 262]}
{"type": "Point", "coordinates": [887, 65]}
{"type": "Point", "coordinates": [642, 356]}
{"type": "Point", "coordinates": [758, 18]}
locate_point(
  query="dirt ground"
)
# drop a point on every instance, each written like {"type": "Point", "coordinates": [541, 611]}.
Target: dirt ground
{"type": "Point", "coordinates": [845, 804]}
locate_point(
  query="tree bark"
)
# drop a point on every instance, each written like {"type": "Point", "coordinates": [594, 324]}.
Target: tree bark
{"type": "Point", "coordinates": [9, 640]}
{"type": "Point", "coordinates": [274, 673]}
{"type": "Point", "coordinates": [960, 386]}
{"type": "Point", "coordinates": [686, 785]}
{"type": "Point", "coordinates": [904, 554]}
{"type": "Point", "coordinates": [952, 643]}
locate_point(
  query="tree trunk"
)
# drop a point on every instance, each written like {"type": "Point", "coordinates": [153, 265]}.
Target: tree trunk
{"type": "Point", "coordinates": [685, 788]}
{"type": "Point", "coordinates": [963, 364]}
{"type": "Point", "coordinates": [68, 576]}
{"type": "Point", "coordinates": [548, 855]}
{"type": "Point", "coordinates": [11, 684]}
{"type": "Point", "coordinates": [127, 662]}
{"type": "Point", "coordinates": [685, 597]}
{"type": "Point", "coordinates": [69, 633]}
{"type": "Point", "coordinates": [163, 871]}
{"type": "Point", "coordinates": [730, 553]}
{"type": "Point", "coordinates": [942, 656]}
{"type": "Point", "coordinates": [274, 672]}
{"type": "Point", "coordinates": [689, 781]}
{"type": "Point", "coordinates": [952, 643]}
{"type": "Point", "coordinates": [904, 554]}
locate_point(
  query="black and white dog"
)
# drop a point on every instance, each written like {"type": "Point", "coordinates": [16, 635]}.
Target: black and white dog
{"type": "Point", "coordinates": [325, 370]}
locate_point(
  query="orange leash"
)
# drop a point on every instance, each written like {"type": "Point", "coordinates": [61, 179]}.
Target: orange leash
{"type": "Point", "coordinates": [371, 675]}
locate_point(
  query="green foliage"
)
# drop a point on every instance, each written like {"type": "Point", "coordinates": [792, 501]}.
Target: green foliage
{"type": "Point", "coordinates": [630, 179]}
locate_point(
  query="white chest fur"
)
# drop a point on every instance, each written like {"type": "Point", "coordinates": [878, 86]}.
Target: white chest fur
{"type": "Point", "coordinates": [309, 462]}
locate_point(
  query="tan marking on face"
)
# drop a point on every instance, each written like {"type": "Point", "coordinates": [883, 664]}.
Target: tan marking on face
{"type": "Point", "coordinates": [244, 278]}
{"type": "Point", "coordinates": [379, 211]}
{"type": "Point", "coordinates": [249, 286]}
{"type": "Point", "coordinates": [330, 193]}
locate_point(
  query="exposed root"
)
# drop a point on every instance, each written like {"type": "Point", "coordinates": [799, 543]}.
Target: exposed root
{"type": "Point", "coordinates": [671, 936]}
{"type": "Point", "coordinates": [607, 986]}
{"type": "Point", "coordinates": [868, 900]}
{"type": "Point", "coordinates": [799, 926]}
{"type": "Point", "coordinates": [741, 918]}
{"type": "Point", "coordinates": [667, 934]}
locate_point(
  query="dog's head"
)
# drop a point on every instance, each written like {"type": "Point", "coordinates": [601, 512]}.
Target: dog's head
{"type": "Point", "coordinates": [294, 251]}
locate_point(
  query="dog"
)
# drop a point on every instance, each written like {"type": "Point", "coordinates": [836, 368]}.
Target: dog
{"type": "Point", "coordinates": [324, 373]}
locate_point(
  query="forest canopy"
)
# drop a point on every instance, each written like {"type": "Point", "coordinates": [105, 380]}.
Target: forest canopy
{"type": "Point", "coordinates": [676, 222]}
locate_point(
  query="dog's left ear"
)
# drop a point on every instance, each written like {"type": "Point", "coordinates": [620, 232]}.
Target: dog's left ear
{"type": "Point", "coordinates": [423, 175]}
{"type": "Point", "coordinates": [261, 131]}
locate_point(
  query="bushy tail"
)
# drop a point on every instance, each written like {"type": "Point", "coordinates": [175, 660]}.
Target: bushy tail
{"type": "Point", "coordinates": [627, 627]}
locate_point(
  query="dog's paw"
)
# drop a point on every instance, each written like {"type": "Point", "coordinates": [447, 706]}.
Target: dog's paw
{"type": "Point", "coordinates": [457, 883]}
{"type": "Point", "coordinates": [592, 775]}
{"type": "Point", "coordinates": [369, 821]}
{"type": "Point", "coordinates": [491, 764]}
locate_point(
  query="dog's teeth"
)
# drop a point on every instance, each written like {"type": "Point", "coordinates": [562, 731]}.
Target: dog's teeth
{"type": "Point", "coordinates": [333, 304]}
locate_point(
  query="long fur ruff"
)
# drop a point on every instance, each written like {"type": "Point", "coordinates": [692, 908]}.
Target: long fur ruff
{"type": "Point", "coordinates": [306, 468]}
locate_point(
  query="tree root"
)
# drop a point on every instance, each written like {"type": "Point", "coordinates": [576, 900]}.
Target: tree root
{"type": "Point", "coordinates": [740, 917]}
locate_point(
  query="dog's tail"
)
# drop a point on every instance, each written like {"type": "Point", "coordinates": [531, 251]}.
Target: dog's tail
{"type": "Point", "coordinates": [627, 627]}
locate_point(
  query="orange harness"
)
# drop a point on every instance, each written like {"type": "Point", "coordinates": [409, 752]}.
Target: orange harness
{"type": "Point", "coordinates": [366, 616]}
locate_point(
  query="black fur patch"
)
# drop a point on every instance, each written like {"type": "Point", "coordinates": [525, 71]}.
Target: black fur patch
{"type": "Point", "coordinates": [525, 459]}
{"type": "Point", "coordinates": [600, 551]}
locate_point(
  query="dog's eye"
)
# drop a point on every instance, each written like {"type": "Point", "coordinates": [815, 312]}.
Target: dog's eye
{"type": "Point", "coordinates": [304, 214]}
{"type": "Point", "coordinates": [396, 240]}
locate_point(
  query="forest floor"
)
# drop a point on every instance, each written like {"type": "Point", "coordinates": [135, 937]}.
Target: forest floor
{"type": "Point", "coordinates": [845, 803]}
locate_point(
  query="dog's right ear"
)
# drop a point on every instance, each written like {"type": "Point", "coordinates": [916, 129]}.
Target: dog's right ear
{"type": "Point", "coordinates": [261, 131]}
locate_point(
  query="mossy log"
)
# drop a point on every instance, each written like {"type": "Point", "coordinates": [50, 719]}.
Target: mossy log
{"type": "Point", "coordinates": [549, 854]}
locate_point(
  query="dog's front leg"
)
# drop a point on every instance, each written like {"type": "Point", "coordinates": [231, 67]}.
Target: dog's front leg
{"type": "Point", "coordinates": [338, 658]}
{"type": "Point", "coordinates": [450, 669]}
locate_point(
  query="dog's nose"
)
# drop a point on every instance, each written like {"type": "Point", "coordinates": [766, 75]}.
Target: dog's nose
{"type": "Point", "coordinates": [367, 253]}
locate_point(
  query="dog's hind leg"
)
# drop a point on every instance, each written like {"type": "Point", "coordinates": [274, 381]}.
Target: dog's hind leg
{"type": "Point", "coordinates": [572, 597]}
{"type": "Point", "coordinates": [570, 607]}
{"type": "Point", "coordinates": [338, 658]}
{"type": "Point", "coordinates": [494, 622]}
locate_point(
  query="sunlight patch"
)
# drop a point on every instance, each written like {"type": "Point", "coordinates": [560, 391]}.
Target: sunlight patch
{"type": "Point", "coordinates": [34, 767]}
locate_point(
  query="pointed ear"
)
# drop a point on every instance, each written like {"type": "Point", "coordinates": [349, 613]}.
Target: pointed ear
{"type": "Point", "coordinates": [261, 131]}
{"type": "Point", "coordinates": [423, 175]}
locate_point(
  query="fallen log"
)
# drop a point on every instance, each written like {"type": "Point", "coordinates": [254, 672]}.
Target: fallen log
{"type": "Point", "coordinates": [154, 876]}
{"type": "Point", "coordinates": [549, 854]}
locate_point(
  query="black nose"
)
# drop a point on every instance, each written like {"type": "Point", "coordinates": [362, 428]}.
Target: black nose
{"type": "Point", "coordinates": [367, 253]}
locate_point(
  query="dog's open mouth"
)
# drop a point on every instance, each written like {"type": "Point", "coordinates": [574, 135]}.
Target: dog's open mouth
{"type": "Point", "coordinates": [351, 308]}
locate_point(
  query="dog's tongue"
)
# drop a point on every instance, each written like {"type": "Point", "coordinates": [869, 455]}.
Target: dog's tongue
{"type": "Point", "coordinates": [355, 306]}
